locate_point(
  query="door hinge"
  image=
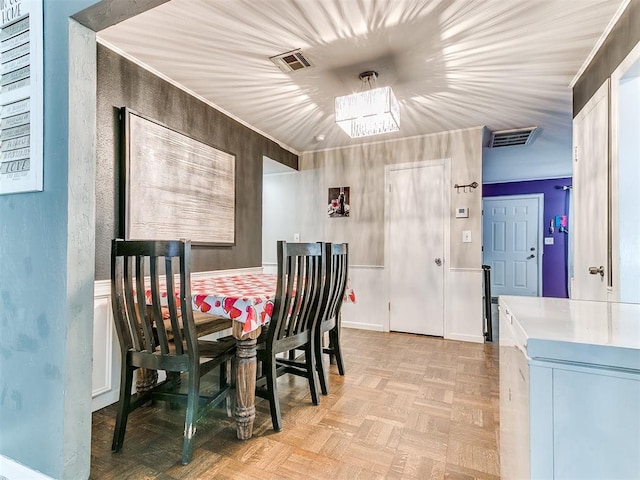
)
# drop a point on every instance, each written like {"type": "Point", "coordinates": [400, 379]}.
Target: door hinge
{"type": "Point", "coordinates": [389, 306]}
{"type": "Point", "coordinates": [575, 153]}
{"type": "Point", "coordinates": [389, 188]}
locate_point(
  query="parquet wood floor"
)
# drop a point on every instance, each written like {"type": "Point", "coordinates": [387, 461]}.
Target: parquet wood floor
{"type": "Point", "coordinates": [409, 406]}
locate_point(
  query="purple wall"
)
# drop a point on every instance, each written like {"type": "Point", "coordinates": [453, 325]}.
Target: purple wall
{"type": "Point", "coordinates": [554, 260]}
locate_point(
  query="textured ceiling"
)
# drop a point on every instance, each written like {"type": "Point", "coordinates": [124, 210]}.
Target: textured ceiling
{"type": "Point", "coordinates": [453, 64]}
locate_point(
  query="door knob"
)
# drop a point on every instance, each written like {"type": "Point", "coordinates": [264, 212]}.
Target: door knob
{"type": "Point", "coordinates": [438, 261]}
{"type": "Point", "coordinates": [531, 256]}
{"type": "Point", "coordinates": [597, 270]}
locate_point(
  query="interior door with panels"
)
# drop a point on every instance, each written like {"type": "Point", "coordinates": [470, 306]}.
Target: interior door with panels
{"type": "Point", "coordinates": [511, 243]}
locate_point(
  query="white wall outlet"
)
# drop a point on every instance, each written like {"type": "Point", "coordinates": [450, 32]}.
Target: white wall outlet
{"type": "Point", "coordinates": [548, 240]}
{"type": "Point", "coordinates": [466, 236]}
{"type": "Point", "coordinates": [296, 237]}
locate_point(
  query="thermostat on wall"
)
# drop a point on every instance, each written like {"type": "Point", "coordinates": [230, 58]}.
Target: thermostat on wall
{"type": "Point", "coordinates": [462, 212]}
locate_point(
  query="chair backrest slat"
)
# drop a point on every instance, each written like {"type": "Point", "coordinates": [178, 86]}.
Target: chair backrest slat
{"type": "Point", "coordinates": [299, 288]}
{"type": "Point", "coordinates": [140, 305]}
{"type": "Point", "coordinates": [130, 307]}
{"type": "Point", "coordinates": [163, 338]}
{"type": "Point", "coordinates": [340, 270]}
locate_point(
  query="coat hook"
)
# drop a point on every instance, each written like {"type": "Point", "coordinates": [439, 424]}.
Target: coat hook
{"type": "Point", "coordinates": [470, 186]}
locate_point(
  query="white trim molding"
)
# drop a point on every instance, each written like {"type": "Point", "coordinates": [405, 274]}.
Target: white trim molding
{"type": "Point", "coordinates": [12, 470]}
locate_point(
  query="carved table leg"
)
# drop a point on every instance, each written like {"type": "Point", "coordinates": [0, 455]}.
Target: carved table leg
{"type": "Point", "coordinates": [245, 387]}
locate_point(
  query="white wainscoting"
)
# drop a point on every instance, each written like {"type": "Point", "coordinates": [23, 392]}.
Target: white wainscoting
{"type": "Point", "coordinates": [463, 317]}
{"type": "Point", "coordinates": [463, 302]}
{"type": "Point", "coordinates": [371, 308]}
{"type": "Point", "coordinates": [368, 313]}
{"type": "Point", "coordinates": [106, 350]}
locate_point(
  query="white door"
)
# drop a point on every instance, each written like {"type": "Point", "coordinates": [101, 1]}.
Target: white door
{"type": "Point", "coordinates": [510, 243]}
{"type": "Point", "coordinates": [590, 201]}
{"type": "Point", "coordinates": [415, 222]}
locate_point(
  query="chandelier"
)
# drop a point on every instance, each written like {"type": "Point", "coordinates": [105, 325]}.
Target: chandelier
{"type": "Point", "coordinates": [371, 111]}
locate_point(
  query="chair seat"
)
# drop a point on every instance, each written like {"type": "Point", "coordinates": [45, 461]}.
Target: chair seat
{"type": "Point", "coordinates": [216, 348]}
{"type": "Point", "coordinates": [205, 323]}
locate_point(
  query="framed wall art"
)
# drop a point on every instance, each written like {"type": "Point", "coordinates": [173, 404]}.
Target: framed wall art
{"type": "Point", "coordinates": [339, 202]}
{"type": "Point", "coordinates": [173, 186]}
{"type": "Point", "coordinates": [21, 96]}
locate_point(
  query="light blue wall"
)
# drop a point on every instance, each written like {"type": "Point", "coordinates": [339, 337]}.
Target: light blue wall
{"type": "Point", "coordinates": [548, 156]}
{"type": "Point", "coordinates": [45, 301]}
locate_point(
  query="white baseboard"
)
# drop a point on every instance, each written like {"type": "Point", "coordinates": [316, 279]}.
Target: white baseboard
{"type": "Point", "coordinates": [363, 326]}
{"type": "Point", "coordinates": [105, 399]}
{"type": "Point", "coordinates": [465, 338]}
{"type": "Point", "coordinates": [12, 470]}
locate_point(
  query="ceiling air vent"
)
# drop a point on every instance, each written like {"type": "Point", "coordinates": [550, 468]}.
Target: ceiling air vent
{"type": "Point", "coordinates": [509, 138]}
{"type": "Point", "coordinates": [291, 61]}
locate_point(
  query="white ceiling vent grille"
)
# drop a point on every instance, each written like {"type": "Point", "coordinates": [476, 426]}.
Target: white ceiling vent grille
{"type": "Point", "coordinates": [291, 61]}
{"type": "Point", "coordinates": [509, 138]}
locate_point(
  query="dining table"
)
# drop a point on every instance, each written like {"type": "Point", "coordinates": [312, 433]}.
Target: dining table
{"type": "Point", "coordinates": [247, 299]}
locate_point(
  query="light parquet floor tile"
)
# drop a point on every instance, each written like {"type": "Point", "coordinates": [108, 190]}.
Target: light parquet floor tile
{"type": "Point", "coordinates": [409, 407]}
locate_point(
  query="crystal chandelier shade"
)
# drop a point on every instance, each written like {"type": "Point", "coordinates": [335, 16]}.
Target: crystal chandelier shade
{"type": "Point", "coordinates": [370, 112]}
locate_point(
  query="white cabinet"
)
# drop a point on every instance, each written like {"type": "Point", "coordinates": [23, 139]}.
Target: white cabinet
{"type": "Point", "coordinates": [569, 389]}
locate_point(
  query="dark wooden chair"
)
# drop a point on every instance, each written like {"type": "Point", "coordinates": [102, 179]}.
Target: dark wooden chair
{"type": "Point", "coordinates": [338, 267]}
{"type": "Point", "coordinates": [301, 273]}
{"type": "Point", "coordinates": [145, 344]}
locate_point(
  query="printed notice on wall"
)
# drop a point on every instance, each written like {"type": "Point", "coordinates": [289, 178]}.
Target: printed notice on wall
{"type": "Point", "coordinates": [21, 96]}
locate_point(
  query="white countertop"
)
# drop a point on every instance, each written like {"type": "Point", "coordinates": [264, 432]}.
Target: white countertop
{"type": "Point", "coordinates": [599, 333]}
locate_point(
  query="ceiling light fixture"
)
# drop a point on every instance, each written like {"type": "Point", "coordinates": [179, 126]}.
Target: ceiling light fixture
{"type": "Point", "coordinates": [371, 111]}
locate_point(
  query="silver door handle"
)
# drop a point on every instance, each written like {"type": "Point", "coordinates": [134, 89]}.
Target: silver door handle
{"type": "Point", "coordinates": [597, 270]}
{"type": "Point", "coordinates": [438, 261]}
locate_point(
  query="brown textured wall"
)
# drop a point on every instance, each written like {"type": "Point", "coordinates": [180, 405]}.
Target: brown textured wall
{"type": "Point", "coordinates": [624, 36]}
{"type": "Point", "coordinates": [122, 83]}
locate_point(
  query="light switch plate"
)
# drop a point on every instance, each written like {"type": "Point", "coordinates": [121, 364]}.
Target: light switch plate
{"type": "Point", "coordinates": [296, 237]}
{"type": "Point", "coordinates": [466, 236]}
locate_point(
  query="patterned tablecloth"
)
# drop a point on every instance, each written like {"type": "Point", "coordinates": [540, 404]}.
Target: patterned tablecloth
{"type": "Point", "coordinates": [245, 298]}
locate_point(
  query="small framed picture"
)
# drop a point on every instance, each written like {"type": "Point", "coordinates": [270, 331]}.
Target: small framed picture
{"type": "Point", "coordinates": [339, 202]}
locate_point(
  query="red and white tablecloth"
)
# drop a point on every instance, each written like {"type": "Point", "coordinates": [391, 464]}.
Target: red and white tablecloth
{"type": "Point", "coordinates": [245, 298]}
